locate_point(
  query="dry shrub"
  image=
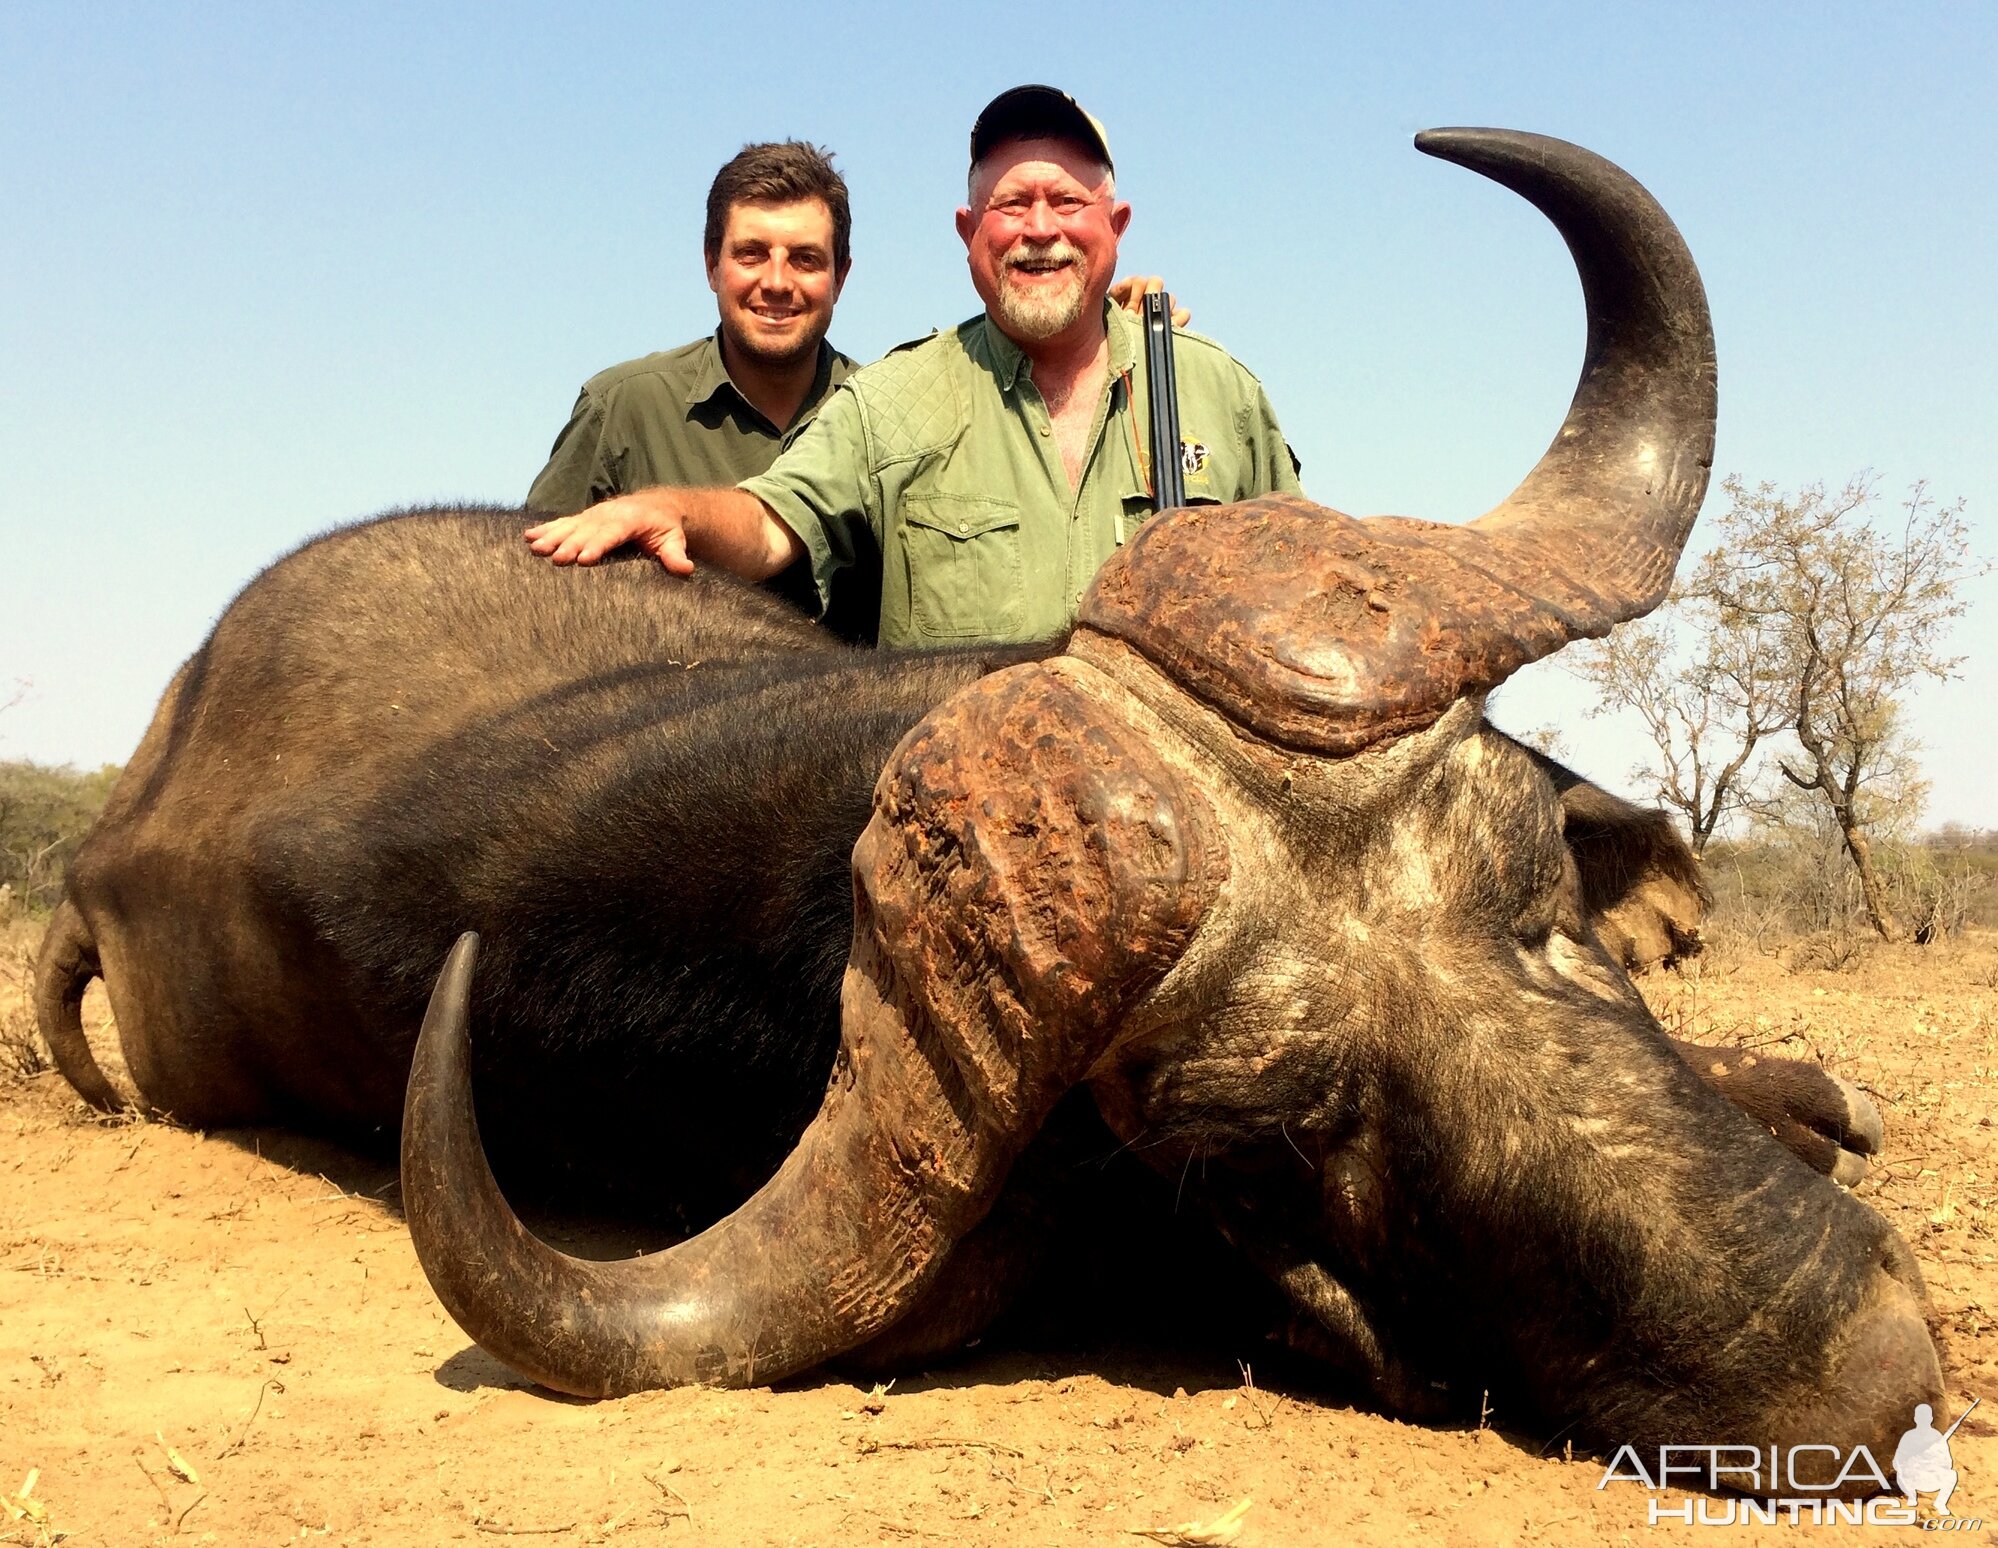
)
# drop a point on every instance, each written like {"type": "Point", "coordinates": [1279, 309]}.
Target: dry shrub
{"type": "Point", "coordinates": [44, 813]}
{"type": "Point", "coordinates": [1828, 951]}
{"type": "Point", "coordinates": [1935, 895]}
{"type": "Point", "coordinates": [1741, 926]}
{"type": "Point", "coordinates": [1794, 882]}
{"type": "Point", "coordinates": [23, 1054]}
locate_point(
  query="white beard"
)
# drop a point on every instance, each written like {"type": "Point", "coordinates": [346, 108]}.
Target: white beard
{"type": "Point", "coordinates": [1042, 311]}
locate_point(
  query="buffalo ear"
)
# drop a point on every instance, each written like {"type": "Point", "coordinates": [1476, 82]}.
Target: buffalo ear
{"type": "Point", "coordinates": [1821, 1118]}
{"type": "Point", "coordinates": [1642, 890]}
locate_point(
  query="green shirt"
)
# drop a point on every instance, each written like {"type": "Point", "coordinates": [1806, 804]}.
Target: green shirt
{"type": "Point", "coordinates": [941, 460]}
{"type": "Point", "coordinates": [670, 418]}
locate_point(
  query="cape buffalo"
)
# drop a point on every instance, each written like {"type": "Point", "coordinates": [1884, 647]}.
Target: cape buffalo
{"type": "Point", "coordinates": [1243, 862]}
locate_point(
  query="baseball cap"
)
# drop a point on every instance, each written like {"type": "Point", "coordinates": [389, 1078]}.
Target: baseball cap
{"type": "Point", "coordinates": [1036, 112]}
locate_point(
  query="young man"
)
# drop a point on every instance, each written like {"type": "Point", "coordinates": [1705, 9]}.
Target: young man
{"type": "Point", "coordinates": [777, 249]}
{"type": "Point", "coordinates": [983, 474]}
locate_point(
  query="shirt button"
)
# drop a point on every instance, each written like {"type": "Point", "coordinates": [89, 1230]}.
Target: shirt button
{"type": "Point", "coordinates": [1047, 430]}
{"type": "Point", "coordinates": [963, 527]}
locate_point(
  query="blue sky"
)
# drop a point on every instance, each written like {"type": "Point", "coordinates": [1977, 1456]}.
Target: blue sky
{"type": "Point", "coordinates": [269, 268]}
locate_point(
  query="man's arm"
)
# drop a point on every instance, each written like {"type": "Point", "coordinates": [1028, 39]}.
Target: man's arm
{"type": "Point", "coordinates": [1279, 471]}
{"type": "Point", "coordinates": [678, 527]}
{"type": "Point", "coordinates": [576, 473]}
{"type": "Point", "coordinates": [814, 503]}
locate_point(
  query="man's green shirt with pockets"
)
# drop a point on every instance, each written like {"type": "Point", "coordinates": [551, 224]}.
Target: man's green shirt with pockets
{"type": "Point", "coordinates": [669, 418]}
{"type": "Point", "coordinates": [942, 459]}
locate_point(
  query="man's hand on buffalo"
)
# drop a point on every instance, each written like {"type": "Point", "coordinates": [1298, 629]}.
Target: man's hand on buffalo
{"type": "Point", "coordinates": [677, 527]}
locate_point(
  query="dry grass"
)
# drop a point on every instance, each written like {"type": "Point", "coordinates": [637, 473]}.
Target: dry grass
{"type": "Point", "coordinates": [23, 1054]}
{"type": "Point", "coordinates": [1828, 951]}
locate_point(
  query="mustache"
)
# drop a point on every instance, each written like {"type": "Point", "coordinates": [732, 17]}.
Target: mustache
{"type": "Point", "coordinates": [1057, 251]}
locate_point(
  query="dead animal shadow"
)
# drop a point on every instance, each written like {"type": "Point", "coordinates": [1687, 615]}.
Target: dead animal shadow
{"type": "Point", "coordinates": [471, 1369]}
{"type": "Point", "coordinates": [371, 1172]}
{"type": "Point", "coordinates": [1157, 1308]}
{"type": "Point", "coordinates": [363, 1173]}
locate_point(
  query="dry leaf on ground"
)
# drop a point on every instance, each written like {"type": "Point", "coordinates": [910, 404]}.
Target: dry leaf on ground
{"type": "Point", "coordinates": [1223, 1529]}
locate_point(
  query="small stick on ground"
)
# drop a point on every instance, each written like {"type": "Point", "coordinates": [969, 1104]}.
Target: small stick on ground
{"type": "Point", "coordinates": [1265, 1413]}
{"type": "Point", "coordinates": [1046, 1491]}
{"type": "Point", "coordinates": [177, 1520]}
{"type": "Point", "coordinates": [1219, 1532]}
{"type": "Point", "coordinates": [903, 1531]}
{"type": "Point", "coordinates": [942, 1442]}
{"type": "Point", "coordinates": [158, 1487]}
{"type": "Point", "coordinates": [663, 1487]}
{"type": "Point", "coordinates": [257, 1323]}
{"type": "Point", "coordinates": [271, 1383]}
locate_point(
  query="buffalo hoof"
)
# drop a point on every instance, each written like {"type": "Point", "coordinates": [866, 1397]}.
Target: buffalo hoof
{"type": "Point", "coordinates": [1828, 1123]}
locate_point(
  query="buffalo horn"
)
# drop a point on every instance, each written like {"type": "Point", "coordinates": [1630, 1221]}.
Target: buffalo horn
{"type": "Point", "coordinates": [1329, 634]}
{"type": "Point", "coordinates": [800, 1272]}
{"type": "Point", "coordinates": [1030, 868]}
{"type": "Point", "coordinates": [1613, 499]}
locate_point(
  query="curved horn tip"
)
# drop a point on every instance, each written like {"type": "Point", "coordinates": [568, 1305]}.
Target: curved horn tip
{"type": "Point", "coordinates": [1485, 149]}
{"type": "Point", "coordinates": [1435, 141]}
{"type": "Point", "coordinates": [1450, 142]}
{"type": "Point", "coordinates": [454, 979]}
{"type": "Point", "coordinates": [442, 1035]}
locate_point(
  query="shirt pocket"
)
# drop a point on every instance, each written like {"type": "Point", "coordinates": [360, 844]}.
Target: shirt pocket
{"type": "Point", "coordinates": [1136, 511]}
{"type": "Point", "coordinates": [966, 579]}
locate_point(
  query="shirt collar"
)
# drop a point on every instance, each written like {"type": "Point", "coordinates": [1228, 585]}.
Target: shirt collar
{"type": "Point", "coordinates": [1008, 358]}
{"type": "Point", "coordinates": [1126, 335]}
{"type": "Point", "coordinates": [713, 378]}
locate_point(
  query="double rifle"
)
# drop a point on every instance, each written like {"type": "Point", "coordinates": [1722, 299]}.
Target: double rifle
{"type": "Point", "coordinates": [1168, 479]}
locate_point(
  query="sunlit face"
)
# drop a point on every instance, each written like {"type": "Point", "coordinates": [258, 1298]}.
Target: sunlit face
{"type": "Point", "coordinates": [1040, 236]}
{"type": "Point", "coordinates": [775, 280]}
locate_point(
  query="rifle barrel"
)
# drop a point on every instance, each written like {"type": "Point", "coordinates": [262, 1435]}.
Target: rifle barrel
{"type": "Point", "coordinates": [1168, 479]}
{"type": "Point", "coordinates": [1961, 1417]}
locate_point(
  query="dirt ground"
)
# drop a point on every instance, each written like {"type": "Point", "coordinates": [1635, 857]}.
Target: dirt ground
{"type": "Point", "coordinates": [226, 1339]}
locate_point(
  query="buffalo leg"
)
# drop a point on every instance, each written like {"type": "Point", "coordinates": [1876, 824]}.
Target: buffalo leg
{"type": "Point", "coordinates": [1828, 1123]}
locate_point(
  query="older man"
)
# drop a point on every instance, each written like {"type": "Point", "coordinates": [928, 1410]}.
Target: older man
{"type": "Point", "coordinates": [985, 472]}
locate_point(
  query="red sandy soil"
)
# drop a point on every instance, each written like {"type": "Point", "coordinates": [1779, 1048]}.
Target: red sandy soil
{"type": "Point", "coordinates": [226, 1339]}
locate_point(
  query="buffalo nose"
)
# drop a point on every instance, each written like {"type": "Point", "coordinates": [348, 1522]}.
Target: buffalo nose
{"type": "Point", "coordinates": [1887, 1365]}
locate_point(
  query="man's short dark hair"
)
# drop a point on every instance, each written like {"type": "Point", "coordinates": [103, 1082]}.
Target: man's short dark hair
{"type": "Point", "coordinates": [779, 172]}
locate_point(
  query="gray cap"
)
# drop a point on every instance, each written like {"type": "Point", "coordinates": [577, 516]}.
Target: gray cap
{"type": "Point", "coordinates": [1037, 113]}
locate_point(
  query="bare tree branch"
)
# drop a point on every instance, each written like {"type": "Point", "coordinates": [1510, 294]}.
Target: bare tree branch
{"type": "Point", "coordinates": [1854, 614]}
